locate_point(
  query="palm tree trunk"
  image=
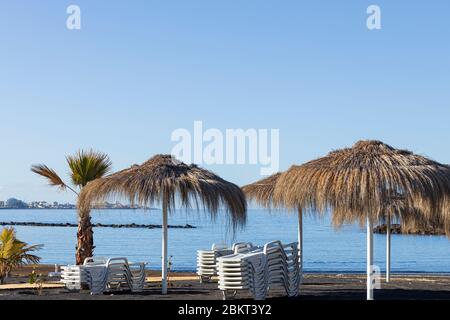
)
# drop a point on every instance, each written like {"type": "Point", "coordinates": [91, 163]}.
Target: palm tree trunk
{"type": "Point", "coordinates": [85, 237]}
{"type": "Point", "coordinates": [3, 273]}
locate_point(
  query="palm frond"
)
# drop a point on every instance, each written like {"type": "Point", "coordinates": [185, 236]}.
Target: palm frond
{"type": "Point", "coordinates": [15, 253]}
{"type": "Point", "coordinates": [86, 166]}
{"type": "Point", "coordinates": [6, 235]}
{"type": "Point", "coordinates": [52, 177]}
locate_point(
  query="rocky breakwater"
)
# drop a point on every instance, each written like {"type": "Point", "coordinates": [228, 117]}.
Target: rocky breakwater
{"type": "Point", "coordinates": [95, 225]}
{"type": "Point", "coordinates": [397, 229]}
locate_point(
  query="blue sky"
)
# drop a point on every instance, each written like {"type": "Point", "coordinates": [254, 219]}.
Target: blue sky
{"type": "Point", "coordinates": [138, 70]}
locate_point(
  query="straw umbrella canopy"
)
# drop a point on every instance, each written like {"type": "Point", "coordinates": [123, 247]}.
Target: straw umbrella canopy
{"type": "Point", "coordinates": [262, 192]}
{"type": "Point", "coordinates": [360, 183]}
{"type": "Point", "coordinates": [165, 180]}
{"type": "Point", "coordinates": [396, 211]}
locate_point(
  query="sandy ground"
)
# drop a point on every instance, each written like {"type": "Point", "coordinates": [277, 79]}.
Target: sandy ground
{"type": "Point", "coordinates": [315, 287]}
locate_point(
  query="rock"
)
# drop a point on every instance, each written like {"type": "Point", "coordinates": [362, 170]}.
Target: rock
{"type": "Point", "coordinates": [97, 225]}
{"type": "Point", "coordinates": [397, 229]}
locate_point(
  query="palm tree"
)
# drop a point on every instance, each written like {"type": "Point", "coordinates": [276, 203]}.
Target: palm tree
{"type": "Point", "coordinates": [85, 166]}
{"type": "Point", "coordinates": [14, 253]}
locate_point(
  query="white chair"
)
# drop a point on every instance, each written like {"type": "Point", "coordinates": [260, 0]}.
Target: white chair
{"type": "Point", "coordinates": [103, 275]}
{"type": "Point", "coordinates": [283, 267]}
{"type": "Point", "coordinates": [257, 270]}
{"type": "Point", "coordinates": [137, 271]}
{"type": "Point", "coordinates": [74, 276]}
{"type": "Point", "coordinates": [243, 271]}
{"type": "Point", "coordinates": [117, 274]}
{"type": "Point", "coordinates": [207, 259]}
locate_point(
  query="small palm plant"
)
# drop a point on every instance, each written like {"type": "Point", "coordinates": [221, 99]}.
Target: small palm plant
{"type": "Point", "coordinates": [85, 166]}
{"type": "Point", "coordinates": [14, 253]}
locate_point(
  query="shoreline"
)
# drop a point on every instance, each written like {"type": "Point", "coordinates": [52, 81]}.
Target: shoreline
{"type": "Point", "coordinates": [152, 271]}
{"type": "Point", "coordinates": [186, 286]}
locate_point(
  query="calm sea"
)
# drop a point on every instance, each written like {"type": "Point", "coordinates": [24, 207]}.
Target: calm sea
{"type": "Point", "coordinates": [326, 249]}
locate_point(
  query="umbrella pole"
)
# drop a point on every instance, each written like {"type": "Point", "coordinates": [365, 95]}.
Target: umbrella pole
{"type": "Point", "coordinates": [300, 241]}
{"type": "Point", "coordinates": [164, 248]}
{"type": "Point", "coordinates": [369, 259]}
{"type": "Point", "coordinates": [388, 250]}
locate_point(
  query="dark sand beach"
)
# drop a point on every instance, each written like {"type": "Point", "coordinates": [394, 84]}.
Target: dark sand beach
{"type": "Point", "coordinates": [315, 287]}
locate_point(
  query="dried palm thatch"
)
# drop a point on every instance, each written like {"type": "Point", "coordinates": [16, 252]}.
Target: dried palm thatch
{"type": "Point", "coordinates": [365, 181]}
{"type": "Point", "coordinates": [163, 179]}
{"type": "Point", "coordinates": [262, 190]}
{"type": "Point", "coordinates": [396, 211]}
{"type": "Point", "coordinates": [53, 178]}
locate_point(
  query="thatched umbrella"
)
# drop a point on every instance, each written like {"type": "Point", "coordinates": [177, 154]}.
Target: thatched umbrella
{"type": "Point", "coordinates": [165, 180]}
{"type": "Point", "coordinates": [410, 218]}
{"type": "Point", "coordinates": [262, 192]}
{"type": "Point", "coordinates": [359, 183]}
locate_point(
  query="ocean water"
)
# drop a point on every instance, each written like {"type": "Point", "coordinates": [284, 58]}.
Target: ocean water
{"type": "Point", "coordinates": [325, 249]}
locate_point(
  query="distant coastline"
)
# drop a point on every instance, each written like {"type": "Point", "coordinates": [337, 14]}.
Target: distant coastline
{"type": "Point", "coordinates": [16, 204]}
{"type": "Point", "coordinates": [74, 208]}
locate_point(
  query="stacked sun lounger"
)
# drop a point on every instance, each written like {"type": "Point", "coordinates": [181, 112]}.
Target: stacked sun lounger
{"type": "Point", "coordinates": [74, 276]}
{"type": "Point", "coordinates": [103, 275]}
{"type": "Point", "coordinates": [283, 267]}
{"type": "Point", "coordinates": [96, 278]}
{"type": "Point", "coordinates": [137, 271]}
{"type": "Point", "coordinates": [258, 269]}
{"type": "Point", "coordinates": [207, 259]}
{"type": "Point", "coordinates": [244, 271]}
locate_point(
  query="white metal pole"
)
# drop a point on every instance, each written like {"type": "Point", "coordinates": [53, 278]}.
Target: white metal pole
{"type": "Point", "coordinates": [369, 259]}
{"type": "Point", "coordinates": [300, 241]}
{"type": "Point", "coordinates": [164, 247]}
{"type": "Point", "coordinates": [388, 249]}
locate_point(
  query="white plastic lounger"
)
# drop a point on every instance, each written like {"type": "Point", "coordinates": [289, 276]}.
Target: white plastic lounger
{"type": "Point", "coordinates": [137, 271]}
{"type": "Point", "coordinates": [244, 271]}
{"type": "Point", "coordinates": [105, 275]}
{"type": "Point", "coordinates": [257, 270]}
{"type": "Point", "coordinates": [207, 259]}
{"type": "Point", "coordinates": [117, 274]}
{"type": "Point", "coordinates": [74, 276]}
{"type": "Point", "coordinates": [283, 267]}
